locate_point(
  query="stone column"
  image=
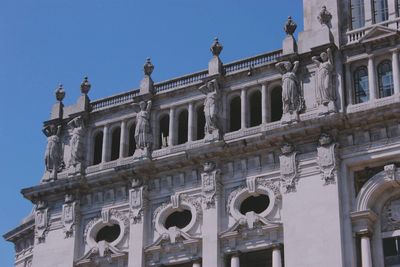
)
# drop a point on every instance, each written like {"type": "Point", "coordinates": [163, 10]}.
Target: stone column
{"type": "Point", "coordinates": [371, 77]}
{"type": "Point", "coordinates": [171, 139]}
{"type": "Point", "coordinates": [264, 99]}
{"type": "Point", "coordinates": [396, 71]}
{"type": "Point", "coordinates": [235, 262]}
{"type": "Point", "coordinates": [123, 141]}
{"type": "Point", "coordinates": [105, 151]}
{"type": "Point", "coordinates": [276, 256]}
{"type": "Point", "coordinates": [243, 110]}
{"type": "Point", "coordinates": [366, 258]}
{"type": "Point", "coordinates": [349, 85]}
{"type": "Point", "coordinates": [191, 122]}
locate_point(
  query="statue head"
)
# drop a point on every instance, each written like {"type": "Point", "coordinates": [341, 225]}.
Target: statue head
{"type": "Point", "coordinates": [287, 148]}
{"type": "Point", "coordinates": [288, 66]}
{"type": "Point", "coordinates": [209, 166]}
{"type": "Point", "coordinates": [324, 139]}
{"type": "Point", "coordinates": [324, 56]}
{"type": "Point", "coordinates": [142, 105]}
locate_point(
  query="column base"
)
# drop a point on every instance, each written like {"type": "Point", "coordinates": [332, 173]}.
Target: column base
{"type": "Point", "coordinates": [141, 154]}
{"type": "Point", "coordinates": [290, 117]}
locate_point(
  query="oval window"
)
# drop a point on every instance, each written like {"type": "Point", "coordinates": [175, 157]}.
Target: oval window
{"type": "Point", "coordinates": [179, 219]}
{"type": "Point", "coordinates": [108, 233]}
{"type": "Point", "coordinates": [258, 204]}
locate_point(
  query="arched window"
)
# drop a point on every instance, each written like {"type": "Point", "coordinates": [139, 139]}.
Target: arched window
{"type": "Point", "coordinates": [385, 79]}
{"type": "Point", "coordinates": [97, 148]}
{"type": "Point", "coordinates": [132, 141]}
{"type": "Point", "coordinates": [381, 10]}
{"type": "Point", "coordinates": [397, 8]}
{"type": "Point", "coordinates": [235, 114]}
{"type": "Point", "coordinates": [357, 14]}
{"type": "Point", "coordinates": [276, 104]}
{"type": "Point", "coordinates": [201, 122]}
{"type": "Point", "coordinates": [255, 109]}
{"type": "Point", "coordinates": [164, 131]}
{"type": "Point", "coordinates": [361, 85]}
{"type": "Point", "coordinates": [183, 127]}
{"type": "Point", "coordinates": [115, 141]}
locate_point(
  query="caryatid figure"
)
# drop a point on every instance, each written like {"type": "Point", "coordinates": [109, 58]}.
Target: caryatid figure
{"type": "Point", "coordinates": [76, 142]}
{"type": "Point", "coordinates": [53, 157]}
{"type": "Point", "coordinates": [211, 106]}
{"type": "Point", "coordinates": [143, 134]}
{"type": "Point", "coordinates": [324, 91]}
{"type": "Point", "coordinates": [290, 86]}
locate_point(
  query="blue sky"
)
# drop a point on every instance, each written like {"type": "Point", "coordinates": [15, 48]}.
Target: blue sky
{"type": "Point", "coordinates": [46, 42]}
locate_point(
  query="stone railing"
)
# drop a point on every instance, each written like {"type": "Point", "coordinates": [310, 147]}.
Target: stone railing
{"type": "Point", "coordinates": [354, 36]}
{"type": "Point", "coordinates": [114, 100]}
{"type": "Point", "coordinates": [181, 81]}
{"type": "Point", "coordinates": [252, 61]}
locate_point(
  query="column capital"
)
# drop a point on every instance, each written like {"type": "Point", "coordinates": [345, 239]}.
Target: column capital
{"type": "Point", "coordinates": [276, 246]}
{"type": "Point", "coordinates": [364, 233]}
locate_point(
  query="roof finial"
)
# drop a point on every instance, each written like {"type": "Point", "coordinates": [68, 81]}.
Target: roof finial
{"type": "Point", "coordinates": [85, 86]}
{"type": "Point", "coordinates": [216, 47]}
{"type": "Point", "coordinates": [290, 26]}
{"type": "Point", "coordinates": [60, 93]}
{"type": "Point", "coordinates": [148, 67]}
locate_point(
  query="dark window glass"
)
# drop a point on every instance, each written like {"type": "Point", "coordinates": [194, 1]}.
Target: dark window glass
{"type": "Point", "coordinates": [391, 251]}
{"type": "Point", "coordinates": [201, 122]}
{"type": "Point", "coordinates": [115, 142]}
{"type": "Point", "coordinates": [381, 10]}
{"type": "Point", "coordinates": [132, 141]}
{"type": "Point", "coordinates": [276, 104]}
{"type": "Point", "coordinates": [235, 114]}
{"type": "Point", "coordinates": [385, 79]}
{"type": "Point", "coordinates": [357, 14]}
{"type": "Point", "coordinates": [108, 233]}
{"type": "Point", "coordinates": [98, 148]}
{"type": "Point", "coordinates": [361, 85]}
{"type": "Point", "coordinates": [183, 127]}
{"type": "Point", "coordinates": [179, 219]}
{"type": "Point", "coordinates": [255, 109]}
{"type": "Point", "coordinates": [258, 204]}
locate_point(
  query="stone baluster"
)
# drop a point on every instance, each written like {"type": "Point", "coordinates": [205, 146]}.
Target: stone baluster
{"type": "Point", "coordinates": [396, 71]}
{"type": "Point", "coordinates": [235, 261]}
{"type": "Point", "coordinates": [191, 125]}
{"type": "Point", "coordinates": [366, 257]}
{"type": "Point", "coordinates": [371, 77]}
{"type": "Point", "coordinates": [171, 139]}
{"type": "Point", "coordinates": [123, 140]}
{"type": "Point", "coordinates": [105, 151]}
{"type": "Point", "coordinates": [264, 101]}
{"type": "Point", "coordinates": [243, 98]}
{"type": "Point", "coordinates": [276, 256]}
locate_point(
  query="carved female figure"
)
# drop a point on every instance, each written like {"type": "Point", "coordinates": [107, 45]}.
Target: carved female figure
{"type": "Point", "coordinates": [211, 105]}
{"type": "Point", "coordinates": [324, 82]}
{"type": "Point", "coordinates": [290, 91]}
{"type": "Point", "coordinates": [143, 135]}
{"type": "Point", "coordinates": [76, 143]}
{"type": "Point", "coordinates": [52, 157]}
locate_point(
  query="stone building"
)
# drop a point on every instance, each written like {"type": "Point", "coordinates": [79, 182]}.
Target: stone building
{"type": "Point", "coordinates": [288, 158]}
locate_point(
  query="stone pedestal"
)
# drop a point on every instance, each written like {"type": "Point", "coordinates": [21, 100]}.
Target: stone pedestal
{"type": "Point", "coordinates": [142, 154]}
{"type": "Point", "coordinates": [290, 117]}
{"type": "Point", "coordinates": [146, 85]}
{"type": "Point", "coordinates": [57, 111]}
{"type": "Point", "coordinates": [326, 109]}
{"type": "Point", "coordinates": [289, 45]}
{"type": "Point", "coordinates": [215, 66]}
{"type": "Point", "coordinates": [215, 135]}
{"type": "Point", "coordinates": [309, 40]}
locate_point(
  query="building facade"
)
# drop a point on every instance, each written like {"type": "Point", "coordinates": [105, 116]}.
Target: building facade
{"type": "Point", "coordinates": [288, 158]}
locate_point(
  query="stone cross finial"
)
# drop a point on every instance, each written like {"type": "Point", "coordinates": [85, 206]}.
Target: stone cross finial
{"type": "Point", "coordinates": [324, 16]}
{"type": "Point", "coordinates": [85, 86]}
{"type": "Point", "coordinates": [148, 67]}
{"type": "Point", "coordinates": [60, 93]}
{"type": "Point", "coordinates": [216, 47]}
{"type": "Point", "coordinates": [290, 26]}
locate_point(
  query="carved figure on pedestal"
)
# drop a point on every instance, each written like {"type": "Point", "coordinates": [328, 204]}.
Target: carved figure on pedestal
{"type": "Point", "coordinates": [327, 158]}
{"type": "Point", "coordinates": [143, 134]}
{"type": "Point", "coordinates": [288, 167]}
{"type": "Point", "coordinates": [324, 91]}
{"type": "Point", "coordinates": [76, 145]}
{"type": "Point", "coordinates": [291, 97]}
{"type": "Point", "coordinates": [53, 157]}
{"type": "Point", "coordinates": [212, 107]}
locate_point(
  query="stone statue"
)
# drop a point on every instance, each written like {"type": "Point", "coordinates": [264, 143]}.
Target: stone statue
{"type": "Point", "coordinates": [324, 16]}
{"type": "Point", "coordinates": [76, 144]}
{"type": "Point", "coordinates": [53, 157]}
{"type": "Point", "coordinates": [211, 107]}
{"type": "Point", "coordinates": [324, 90]}
{"type": "Point", "coordinates": [290, 91]}
{"type": "Point", "coordinates": [143, 134]}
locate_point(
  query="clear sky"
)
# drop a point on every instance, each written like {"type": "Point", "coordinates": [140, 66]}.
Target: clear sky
{"type": "Point", "coordinates": [46, 42]}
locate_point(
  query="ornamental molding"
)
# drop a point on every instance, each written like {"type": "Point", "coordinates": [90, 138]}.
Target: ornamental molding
{"type": "Point", "coordinates": [107, 217]}
{"type": "Point", "coordinates": [288, 168]}
{"type": "Point", "coordinates": [41, 222]}
{"type": "Point", "coordinates": [137, 203]}
{"type": "Point", "coordinates": [390, 218]}
{"type": "Point", "coordinates": [327, 159]}
{"type": "Point", "coordinates": [210, 184]}
{"type": "Point", "coordinates": [69, 218]}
